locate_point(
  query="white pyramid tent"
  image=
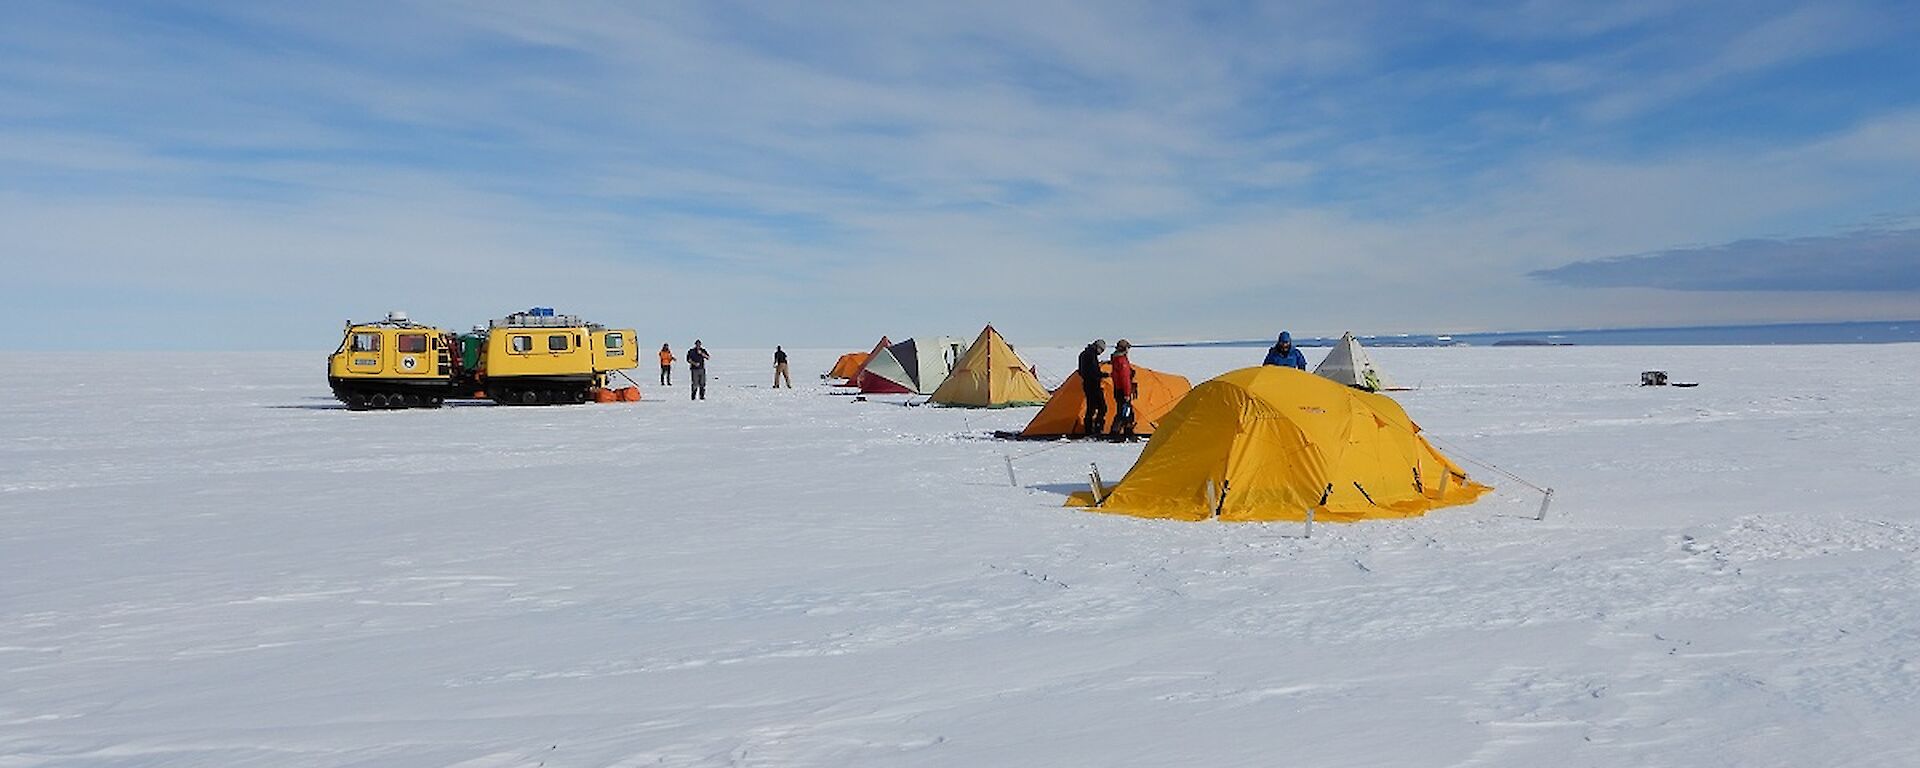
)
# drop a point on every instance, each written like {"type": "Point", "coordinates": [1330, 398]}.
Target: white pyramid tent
{"type": "Point", "coordinates": [931, 358]}
{"type": "Point", "coordinates": [915, 366]}
{"type": "Point", "coordinates": [1349, 364]}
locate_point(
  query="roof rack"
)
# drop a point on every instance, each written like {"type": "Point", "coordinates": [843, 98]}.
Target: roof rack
{"type": "Point", "coordinates": [542, 317]}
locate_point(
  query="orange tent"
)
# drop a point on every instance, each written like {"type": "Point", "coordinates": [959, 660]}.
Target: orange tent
{"type": "Point", "coordinates": [1064, 415]}
{"type": "Point", "coordinates": [848, 365]}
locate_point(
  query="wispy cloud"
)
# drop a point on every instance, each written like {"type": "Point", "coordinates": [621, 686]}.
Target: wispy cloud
{"type": "Point", "coordinates": [803, 170]}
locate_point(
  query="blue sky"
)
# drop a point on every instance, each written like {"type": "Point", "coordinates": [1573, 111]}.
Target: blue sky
{"type": "Point", "coordinates": [248, 175]}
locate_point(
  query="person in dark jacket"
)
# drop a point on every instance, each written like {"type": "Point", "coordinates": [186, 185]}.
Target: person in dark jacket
{"type": "Point", "coordinates": [1284, 354]}
{"type": "Point", "coordinates": [697, 369]}
{"type": "Point", "coordinates": [1123, 390]}
{"type": "Point", "coordinates": [780, 368]}
{"type": "Point", "coordinates": [1090, 376]}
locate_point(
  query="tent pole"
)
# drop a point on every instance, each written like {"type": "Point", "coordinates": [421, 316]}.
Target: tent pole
{"type": "Point", "coordinates": [1545, 499]}
{"type": "Point", "coordinates": [1011, 480]}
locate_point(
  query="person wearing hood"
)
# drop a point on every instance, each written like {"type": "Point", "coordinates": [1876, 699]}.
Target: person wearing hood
{"type": "Point", "coordinates": [1090, 376]}
{"type": "Point", "coordinates": [1284, 354]}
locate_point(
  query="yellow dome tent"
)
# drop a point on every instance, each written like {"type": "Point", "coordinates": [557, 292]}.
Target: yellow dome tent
{"type": "Point", "coordinates": [1268, 443]}
{"type": "Point", "coordinates": [990, 375]}
{"type": "Point", "coordinates": [1065, 414]}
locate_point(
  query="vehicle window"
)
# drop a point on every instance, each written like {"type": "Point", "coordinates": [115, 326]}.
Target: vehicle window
{"type": "Point", "coordinates": [366, 342]}
{"type": "Point", "coordinates": [556, 343]}
{"type": "Point", "coordinates": [411, 342]}
{"type": "Point", "coordinates": [521, 343]}
{"type": "Point", "coordinates": [615, 341]}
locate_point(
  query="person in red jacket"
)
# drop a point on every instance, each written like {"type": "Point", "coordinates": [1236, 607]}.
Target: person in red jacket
{"type": "Point", "coordinates": [1123, 391]}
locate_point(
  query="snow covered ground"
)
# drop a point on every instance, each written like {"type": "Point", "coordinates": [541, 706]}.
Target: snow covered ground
{"type": "Point", "coordinates": [203, 561]}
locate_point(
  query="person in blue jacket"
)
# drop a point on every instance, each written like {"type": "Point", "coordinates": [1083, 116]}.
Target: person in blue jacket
{"type": "Point", "coordinates": [1283, 354]}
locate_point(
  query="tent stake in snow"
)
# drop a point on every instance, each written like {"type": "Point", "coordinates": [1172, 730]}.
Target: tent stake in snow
{"type": "Point", "coordinates": [1324, 493]}
{"type": "Point", "coordinates": [1093, 481]}
{"type": "Point", "coordinates": [1305, 533]}
{"type": "Point", "coordinates": [1011, 480]}
{"type": "Point", "coordinates": [1545, 499]}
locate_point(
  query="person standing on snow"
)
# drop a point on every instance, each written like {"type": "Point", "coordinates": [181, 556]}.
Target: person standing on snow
{"type": "Point", "coordinates": [780, 368]}
{"type": "Point", "coordinates": [666, 366]}
{"type": "Point", "coordinates": [697, 370]}
{"type": "Point", "coordinates": [1123, 391]}
{"type": "Point", "coordinates": [1284, 354]}
{"type": "Point", "coordinates": [1090, 376]}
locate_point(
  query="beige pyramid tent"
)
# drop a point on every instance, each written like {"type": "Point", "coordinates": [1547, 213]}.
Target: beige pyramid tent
{"type": "Point", "coordinates": [990, 375]}
{"type": "Point", "coordinates": [1349, 364]}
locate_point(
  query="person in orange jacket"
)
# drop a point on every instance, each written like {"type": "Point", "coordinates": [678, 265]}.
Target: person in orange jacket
{"type": "Point", "coordinates": [666, 366]}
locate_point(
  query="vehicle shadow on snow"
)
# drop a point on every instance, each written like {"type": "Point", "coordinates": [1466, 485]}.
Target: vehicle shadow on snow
{"type": "Point", "coordinates": [335, 405]}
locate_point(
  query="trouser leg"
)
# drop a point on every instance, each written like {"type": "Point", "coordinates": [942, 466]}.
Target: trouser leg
{"type": "Point", "coordinates": [1096, 411]}
{"type": "Point", "coordinates": [698, 378]}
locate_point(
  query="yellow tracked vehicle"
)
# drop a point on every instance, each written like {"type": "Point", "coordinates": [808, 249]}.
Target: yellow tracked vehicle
{"type": "Point", "coordinates": [394, 363]}
{"type": "Point", "coordinates": [539, 358]}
